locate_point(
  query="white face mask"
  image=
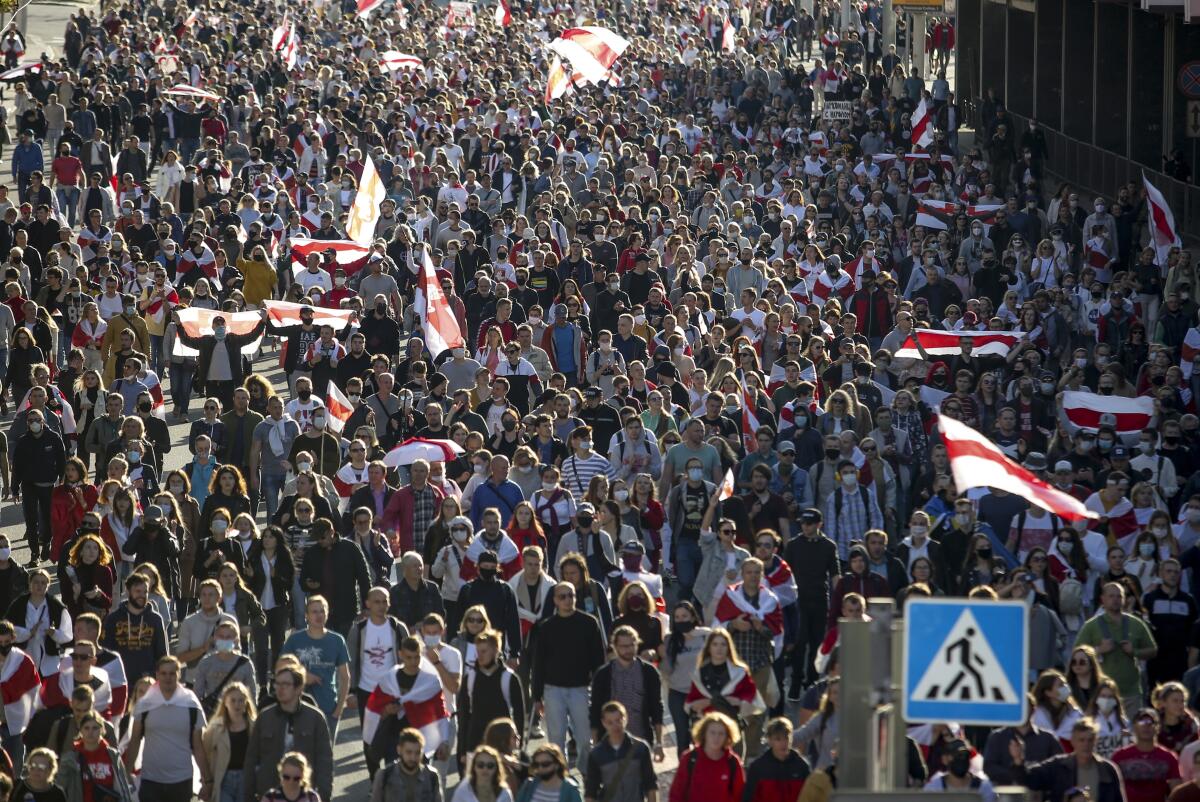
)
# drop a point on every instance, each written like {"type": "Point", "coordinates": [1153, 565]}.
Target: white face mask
{"type": "Point", "coordinates": [850, 481]}
{"type": "Point", "coordinates": [304, 467]}
{"type": "Point", "coordinates": [620, 495]}
{"type": "Point", "coordinates": [1160, 532]}
{"type": "Point", "coordinates": [220, 526]}
{"type": "Point", "coordinates": [1106, 704]}
{"type": "Point", "coordinates": [549, 487]}
{"type": "Point", "coordinates": [5, 553]}
{"type": "Point", "coordinates": [431, 640]}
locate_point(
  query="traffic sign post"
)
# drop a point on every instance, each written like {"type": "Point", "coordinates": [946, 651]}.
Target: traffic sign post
{"type": "Point", "coordinates": [1192, 120]}
{"type": "Point", "coordinates": [965, 661]}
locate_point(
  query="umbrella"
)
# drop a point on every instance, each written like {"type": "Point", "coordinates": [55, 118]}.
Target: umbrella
{"type": "Point", "coordinates": [415, 448]}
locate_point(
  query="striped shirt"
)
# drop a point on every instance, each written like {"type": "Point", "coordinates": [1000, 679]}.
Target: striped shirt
{"type": "Point", "coordinates": [577, 472]}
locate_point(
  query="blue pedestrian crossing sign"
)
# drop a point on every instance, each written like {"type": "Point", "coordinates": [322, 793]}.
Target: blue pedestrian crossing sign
{"type": "Point", "coordinates": [965, 661]}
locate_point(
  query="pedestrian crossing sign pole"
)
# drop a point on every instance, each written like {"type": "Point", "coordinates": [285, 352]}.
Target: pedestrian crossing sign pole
{"type": "Point", "coordinates": [965, 661]}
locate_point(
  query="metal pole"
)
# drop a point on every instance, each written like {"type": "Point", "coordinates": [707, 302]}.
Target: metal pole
{"type": "Point", "coordinates": [857, 706]}
{"type": "Point", "coordinates": [889, 25]}
{"type": "Point", "coordinates": [897, 729]}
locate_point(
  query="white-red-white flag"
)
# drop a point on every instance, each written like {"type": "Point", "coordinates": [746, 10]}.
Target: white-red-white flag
{"type": "Point", "coordinates": [279, 36]}
{"type": "Point", "coordinates": [728, 36]}
{"type": "Point", "coordinates": [349, 255]}
{"type": "Point", "coordinates": [286, 313]}
{"type": "Point", "coordinates": [947, 343]}
{"type": "Point", "coordinates": [192, 93]}
{"type": "Point", "coordinates": [339, 407]}
{"type": "Point", "coordinates": [749, 422]}
{"type": "Point", "coordinates": [922, 126]}
{"type": "Point", "coordinates": [559, 82]}
{"type": "Point", "coordinates": [438, 323]}
{"type": "Point", "coordinates": [19, 685]}
{"type": "Point", "coordinates": [726, 486]}
{"type": "Point", "coordinates": [423, 706]}
{"type": "Point", "coordinates": [1163, 235]}
{"type": "Point", "coordinates": [291, 51]}
{"type": "Point", "coordinates": [363, 8]}
{"type": "Point", "coordinates": [395, 61]}
{"type": "Point", "coordinates": [1084, 411]}
{"type": "Point", "coordinates": [591, 50]}
{"type": "Point", "coordinates": [1189, 351]}
{"type": "Point", "coordinates": [364, 212]}
{"type": "Point", "coordinates": [198, 323]}
{"type": "Point", "coordinates": [503, 13]}
{"type": "Point", "coordinates": [976, 461]}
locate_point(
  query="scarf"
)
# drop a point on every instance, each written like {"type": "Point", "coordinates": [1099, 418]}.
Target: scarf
{"type": "Point", "coordinates": [275, 436]}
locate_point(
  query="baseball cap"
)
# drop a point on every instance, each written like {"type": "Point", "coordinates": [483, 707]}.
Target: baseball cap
{"type": "Point", "coordinates": [1035, 461]}
{"type": "Point", "coordinates": [811, 516]}
{"type": "Point", "coordinates": [787, 446]}
{"type": "Point", "coordinates": [1063, 465]}
{"type": "Point", "coordinates": [1120, 452]}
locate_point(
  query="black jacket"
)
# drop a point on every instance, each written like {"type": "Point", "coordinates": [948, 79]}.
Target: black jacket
{"type": "Point", "coordinates": [38, 459]}
{"type": "Point", "coordinates": [348, 566]}
{"type": "Point", "coordinates": [158, 548]}
{"type": "Point", "coordinates": [815, 567]}
{"type": "Point", "coordinates": [498, 598]}
{"type": "Point", "coordinates": [233, 347]}
{"type": "Point", "coordinates": [1059, 774]}
{"type": "Point", "coordinates": [652, 706]}
{"type": "Point", "coordinates": [281, 583]}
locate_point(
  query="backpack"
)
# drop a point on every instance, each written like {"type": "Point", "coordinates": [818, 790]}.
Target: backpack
{"type": "Point", "coordinates": [1070, 596]}
{"type": "Point", "coordinates": [621, 444]}
{"type": "Point", "coordinates": [1054, 526]}
{"type": "Point", "coordinates": [837, 502]}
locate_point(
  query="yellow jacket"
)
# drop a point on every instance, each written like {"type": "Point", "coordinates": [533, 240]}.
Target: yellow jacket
{"type": "Point", "coordinates": [259, 280]}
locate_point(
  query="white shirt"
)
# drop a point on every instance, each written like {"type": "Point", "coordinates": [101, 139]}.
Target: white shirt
{"type": "Point", "coordinates": [378, 654]}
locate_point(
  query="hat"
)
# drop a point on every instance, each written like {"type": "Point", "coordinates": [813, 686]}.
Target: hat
{"type": "Point", "coordinates": [858, 550]}
{"type": "Point", "coordinates": [642, 257]}
{"type": "Point", "coordinates": [560, 310]}
{"type": "Point", "coordinates": [787, 446]}
{"type": "Point", "coordinates": [585, 507]}
{"type": "Point", "coordinates": [811, 516]}
{"type": "Point", "coordinates": [1063, 465]}
{"type": "Point", "coordinates": [955, 746]}
{"type": "Point", "coordinates": [1035, 461]}
{"type": "Point", "coordinates": [152, 513]}
{"type": "Point", "coordinates": [1146, 712]}
{"type": "Point", "coordinates": [592, 392]}
{"type": "Point", "coordinates": [633, 547]}
{"type": "Point", "coordinates": [668, 369]}
{"type": "Point", "coordinates": [1120, 452]}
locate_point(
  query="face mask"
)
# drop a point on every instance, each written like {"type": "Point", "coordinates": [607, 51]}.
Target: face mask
{"type": "Point", "coordinates": [849, 481]}
{"type": "Point", "coordinates": [960, 765]}
{"type": "Point", "coordinates": [1106, 704]}
{"type": "Point", "coordinates": [5, 553]}
{"type": "Point", "coordinates": [620, 495]}
{"type": "Point", "coordinates": [145, 406]}
{"type": "Point", "coordinates": [1063, 693]}
{"type": "Point", "coordinates": [245, 534]}
{"type": "Point", "coordinates": [318, 421]}
{"type": "Point", "coordinates": [509, 425]}
{"type": "Point", "coordinates": [1081, 363]}
{"type": "Point", "coordinates": [1101, 359]}
{"type": "Point", "coordinates": [1086, 445]}
{"type": "Point", "coordinates": [636, 603]}
{"type": "Point", "coordinates": [831, 453]}
{"type": "Point", "coordinates": [480, 469]}
{"type": "Point", "coordinates": [585, 521]}
{"type": "Point", "coordinates": [304, 395]}
{"type": "Point", "coordinates": [605, 346]}
{"type": "Point", "coordinates": [1193, 515]}
{"type": "Point", "coordinates": [962, 518]}
{"type": "Point", "coordinates": [695, 474]}
{"type": "Point", "coordinates": [549, 487]}
{"type": "Point", "coordinates": [224, 645]}
{"type": "Point", "coordinates": [134, 457]}
{"type": "Point", "coordinates": [1160, 531]}
{"type": "Point", "coordinates": [1105, 445]}
{"type": "Point", "coordinates": [586, 445]}
{"type": "Point", "coordinates": [304, 467]}
{"type": "Point", "coordinates": [176, 487]}
{"type": "Point", "coordinates": [129, 310]}
{"type": "Point", "coordinates": [918, 531]}
{"type": "Point", "coordinates": [35, 427]}
{"type": "Point", "coordinates": [985, 553]}
{"type": "Point", "coordinates": [1047, 387]}
{"type": "Point", "coordinates": [220, 526]}
{"type": "Point", "coordinates": [487, 574]}
{"type": "Point", "coordinates": [1146, 549]}
{"type": "Point", "coordinates": [431, 640]}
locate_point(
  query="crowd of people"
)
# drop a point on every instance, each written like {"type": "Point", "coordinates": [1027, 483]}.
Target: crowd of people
{"type": "Point", "coordinates": [673, 415]}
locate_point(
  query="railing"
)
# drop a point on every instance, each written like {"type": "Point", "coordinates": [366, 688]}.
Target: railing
{"type": "Point", "coordinates": [1102, 172]}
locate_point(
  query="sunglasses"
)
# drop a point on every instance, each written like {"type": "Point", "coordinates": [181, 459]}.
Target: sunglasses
{"type": "Point", "coordinates": [292, 778]}
{"type": "Point", "coordinates": [488, 765]}
{"type": "Point", "coordinates": [78, 656]}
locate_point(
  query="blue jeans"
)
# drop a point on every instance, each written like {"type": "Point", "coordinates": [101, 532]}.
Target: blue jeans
{"type": "Point", "coordinates": [688, 559]}
{"type": "Point", "coordinates": [568, 707]}
{"type": "Point", "coordinates": [156, 354]}
{"type": "Point", "coordinates": [68, 202]}
{"type": "Point", "coordinates": [14, 745]}
{"type": "Point", "coordinates": [231, 786]}
{"type": "Point", "coordinates": [188, 148]}
{"type": "Point", "coordinates": [299, 598]}
{"type": "Point", "coordinates": [4, 367]}
{"type": "Point", "coordinates": [271, 489]}
{"type": "Point", "coordinates": [182, 377]}
{"type": "Point", "coordinates": [683, 722]}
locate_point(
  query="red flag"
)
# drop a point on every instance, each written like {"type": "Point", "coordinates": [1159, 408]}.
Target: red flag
{"type": "Point", "coordinates": [749, 422]}
{"type": "Point", "coordinates": [503, 14]}
{"type": "Point", "coordinates": [728, 36]}
{"type": "Point", "coordinates": [339, 407]}
{"type": "Point", "coordinates": [438, 323]}
{"type": "Point", "coordinates": [946, 343]}
{"type": "Point", "coordinates": [1161, 222]}
{"type": "Point", "coordinates": [976, 461]}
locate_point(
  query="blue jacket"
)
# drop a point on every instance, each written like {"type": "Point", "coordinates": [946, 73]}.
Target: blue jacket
{"type": "Point", "coordinates": [27, 158]}
{"type": "Point", "coordinates": [504, 497]}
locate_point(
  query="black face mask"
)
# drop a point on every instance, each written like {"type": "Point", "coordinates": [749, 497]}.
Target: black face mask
{"type": "Point", "coordinates": [831, 453]}
{"type": "Point", "coordinates": [684, 627]}
{"type": "Point", "coordinates": [304, 395]}
{"type": "Point", "coordinates": [984, 554]}
{"type": "Point", "coordinates": [584, 521]}
{"type": "Point", "coordinates": [145, 406]}
{"type": "Point", "coordinates": [381, 308]}
{"type": "Point", "coordinates": [487, 574]}
{"type": "Point", "coordinates": [5, 649]}
{"type": "Point", "coordinates": [960, 765]}
{"type": "Point", "coordinates": [509, 425]}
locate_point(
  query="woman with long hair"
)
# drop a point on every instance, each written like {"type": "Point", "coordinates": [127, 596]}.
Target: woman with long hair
{"type": "Point", "coordinates": [524, 529]}
{"type": "Point", "coordinates": [308, 488]}
{"type": "Point", "coordinates": [23, 354]}
{"type": "Point", "coordinates": [474, 621]}
{"type": "Point", "coordinates": [260, 390]}
{"type": "Point", "coordinates": [818, 736]}
{"type": "Point", "coordinates": [239, 601]}
{"type": "Point", "coordinates": [69, 500]}
{"type": "Point", "coordinates": [680, 655]}
{"type": "Point", "coordinates": [1106, 710]}
{"type": "Point", "coordinates": [216, 548]}
{"type": "Point", "coordinates": [554, 506]}
{"type": "Point", "coordinates": [1055, 709]}
{"type": "Point", "coordinates": [273, 570]}
{"type": "Point", "coordinates": [721, 682]}
{"type": "Point", "coordinates": [1084, 675]}
{"type": "Point", "coordinates": [90, 572]}
{"type": "Point", "coordinates": [438, 535]}
{"type": "Point", "coordinates": [226, 491]}
{"type": "Point", "coordinates": [503, 736]}
{"type": "Point", "coordinates": [1177, 725]}
{"type": "Point", "coordinates": [486, 778]}
{"type": "Point", "coordinates": [118, 525]}
{"type": "Point", "coordinates": [636, 609]}
{"type": "Point", "coordinates": [225, 739]}
{"type": "Point", "coordinates": [87, 400]}
{"type": "Point", "coordinates": [92, 768]}
{"type": "Point", "coordinates": [711, 769]}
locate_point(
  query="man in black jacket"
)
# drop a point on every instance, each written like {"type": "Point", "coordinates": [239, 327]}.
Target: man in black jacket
{"type": "Point", "coordinates": [814, 561]}
{"type": "Point", "coordinates": [39, 458]}
{"type": "Point", "coordinates": [220, 366]}
{"type": "Point", "coordinates": [336, 569]}
{"type": "Point", "coordinates": [640, 690]}
{"type": "Point", "coordinates": [498, 598]}
{"type": "Point", "coordinates": [490, 690]}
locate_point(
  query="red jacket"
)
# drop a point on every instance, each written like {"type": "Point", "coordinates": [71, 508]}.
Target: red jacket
{"type": "Point", "coordinates": [398, 515]}
{"type": "Point", "coordinates": [700, 779]}
{"type": "Point", "coordinates": [66, 513]}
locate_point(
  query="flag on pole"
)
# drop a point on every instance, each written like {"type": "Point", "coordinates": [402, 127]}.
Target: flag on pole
{"type": "Point", "coordinates": [728, 36]}
{"type": "Point", "coordinates": [291, 51]}
{"type": "Point", "coordinates": [279, 36]}
{"type": "Point", "coordinates": [1163, 235]}
{"type": "Point", "coordinates": [559, 82]}
{"type": "Point", "coordinates": [922, 126]}
{"type": "Point", "coordinates": [394, 61]}
{"type": "Point", "coordinates": [976, 461]}
{"type": "Point", "coordinates": [364, 213]}
{"type": "Point", "coordinates": [727, 485]}
{"type": "Point", "coordinates": [339, 407]}
{"type": "Point", "coordinates": [503, 13]}
{"type": "Point", "coordinates": [363, 8]}
{"type": "Point", "coordinates": [438, 323]}
{"type": "Point", "coordinates": [749, 422]}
